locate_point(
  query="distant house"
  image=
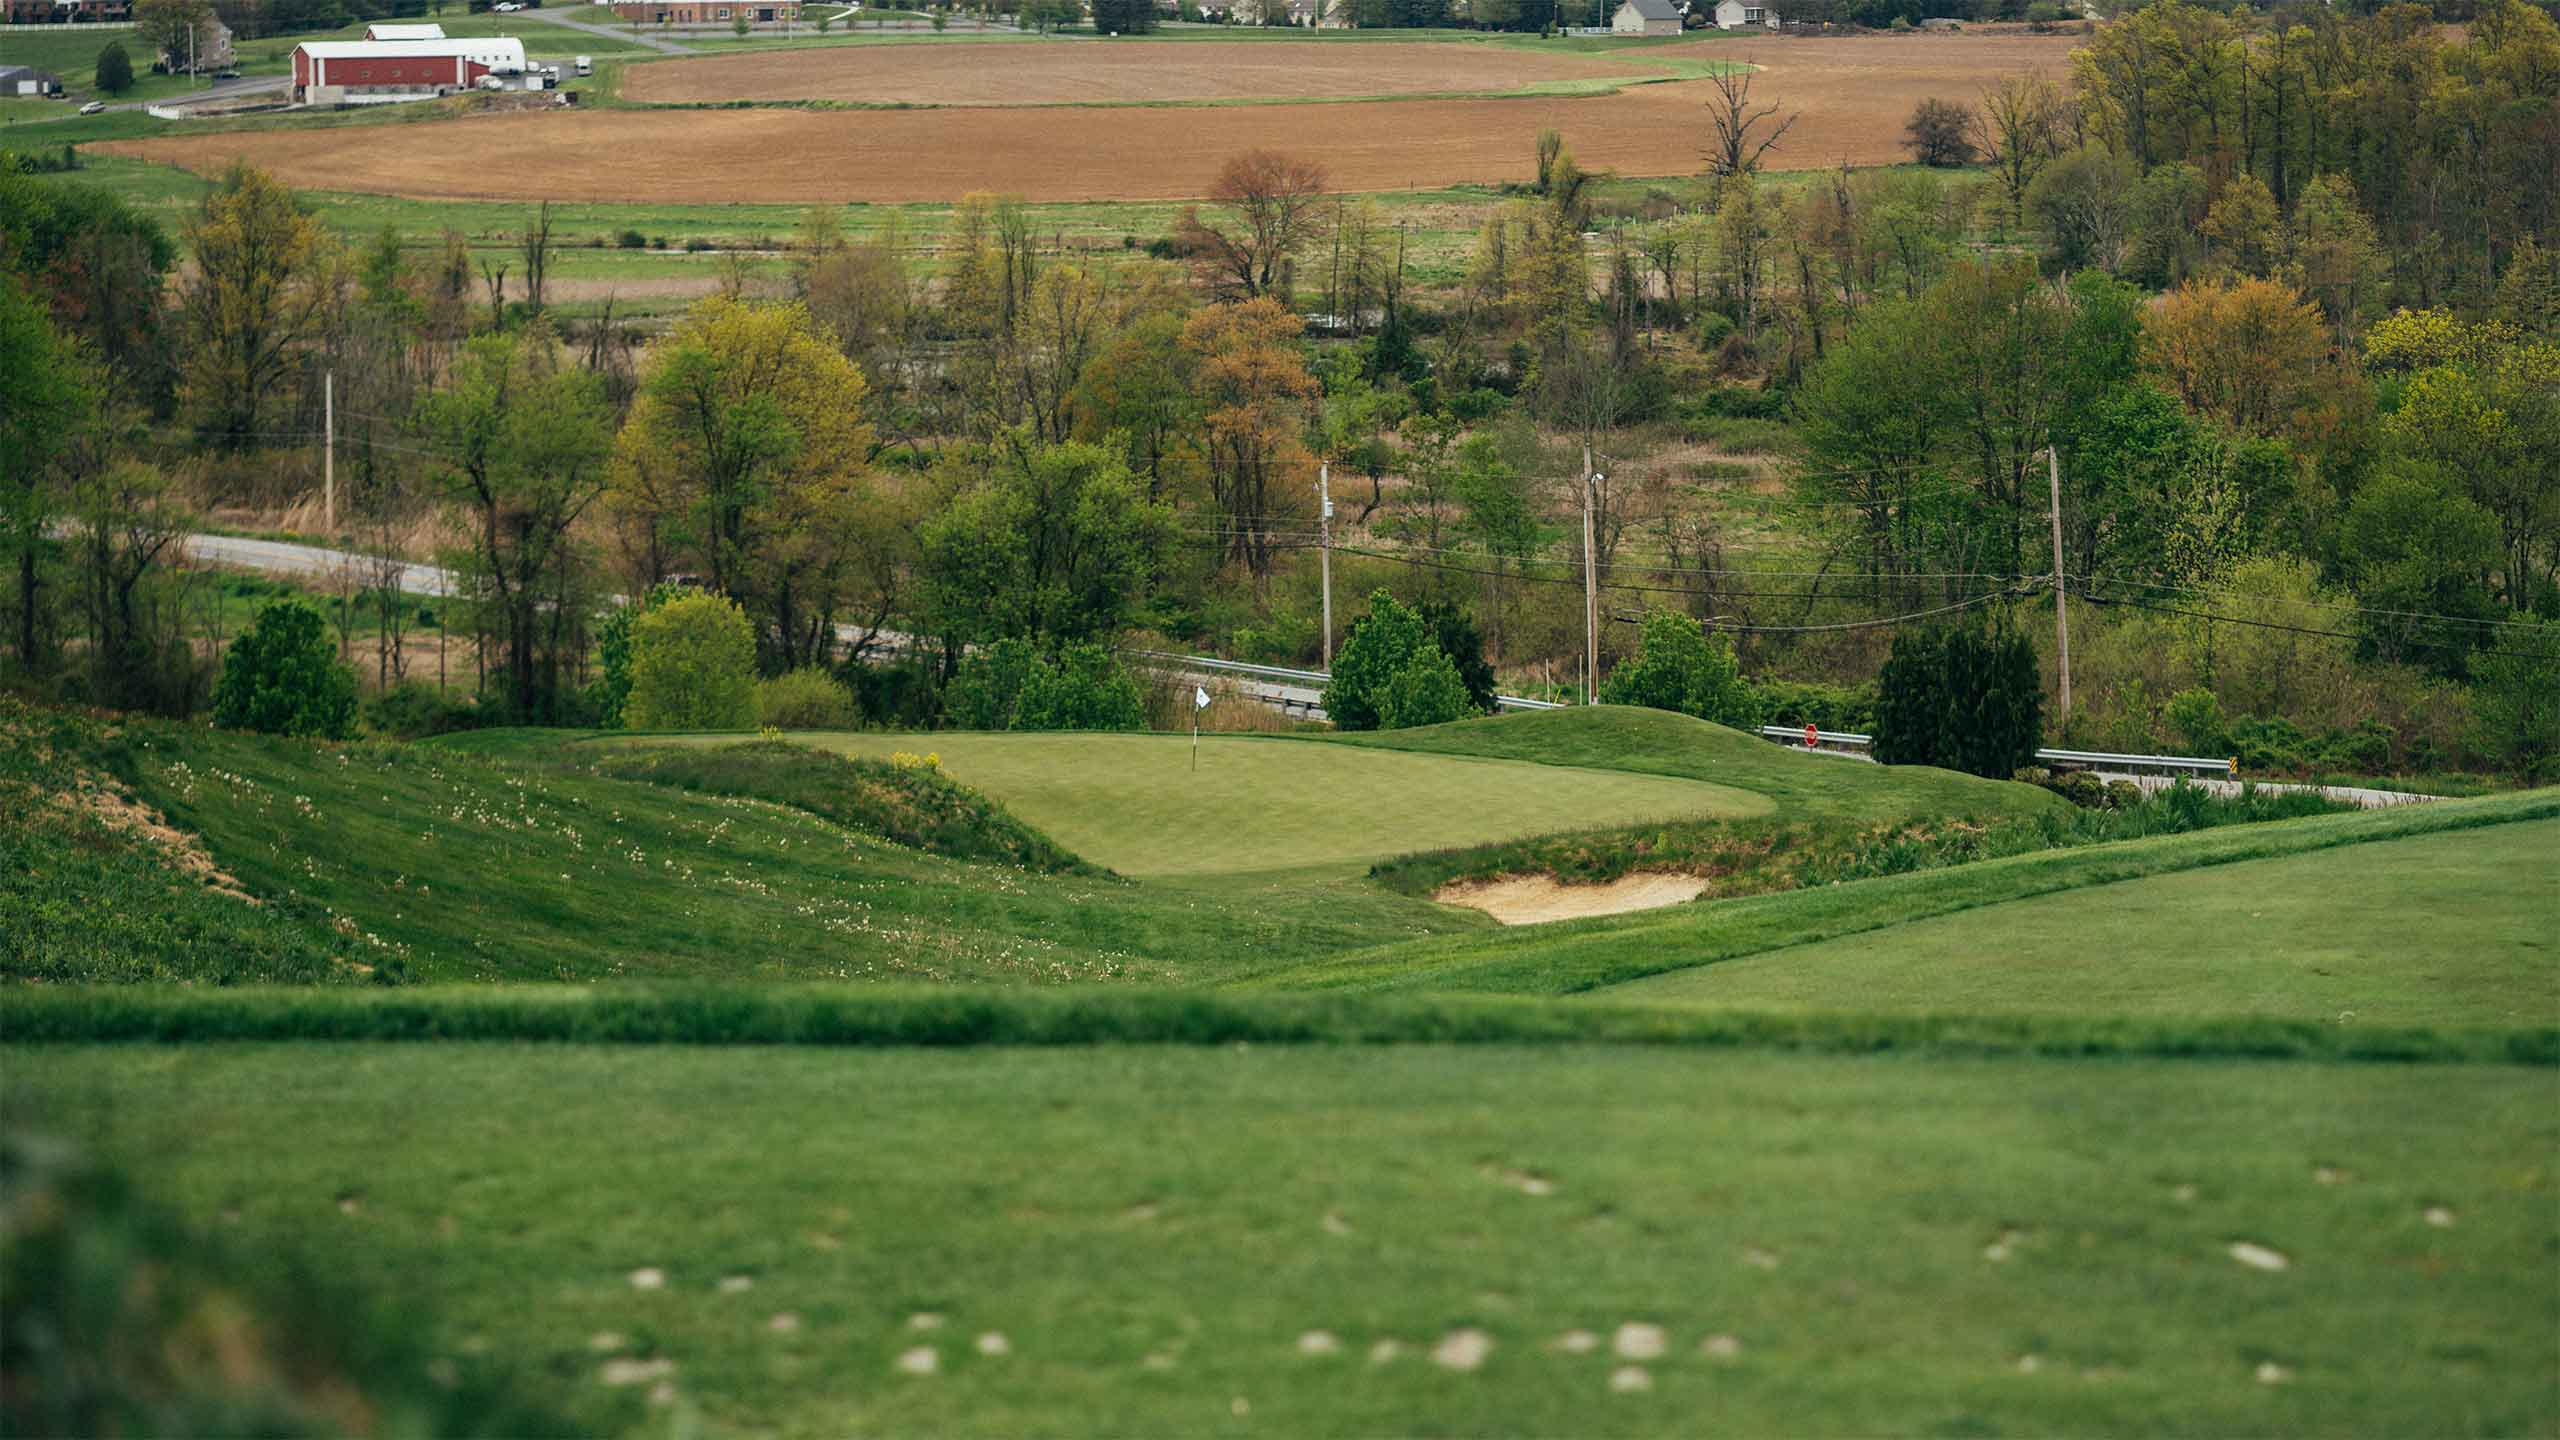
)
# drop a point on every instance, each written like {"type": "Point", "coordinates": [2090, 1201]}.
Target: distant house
{"type": "Point", "coordinates": [707, 12]}
{"type": "Point", "coordinates": [28, 80]}
{"type": "Point", "coordinates": [1942, 23]}
{"type": "Point", "coordinates": [404, 32]}
{"type": "Point", "coordinates": [64, 12]}
{"type": "Point", "coordinates": [1645, 17]}
{"type": "Point", "coordinates": [1734, 15]}
{"type": "Point", "coordinates": [213, 48]}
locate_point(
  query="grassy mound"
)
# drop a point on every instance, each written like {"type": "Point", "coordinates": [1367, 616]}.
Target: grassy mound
{"type": "Point", "coordinates": [1657, 742]}
{"type": "Point", "coordinates": [125, 1321]}
{"type": "Point", "coordinates": [433, 862]}
{"type": "Point", "coordinates": [1798, 1244]}
{"type": "Point", "coordinates": [95, 886]}
{"type": "Point", "coordinates": [1754, 857]}
{"type": "Point", "coordinates": [912, 804]}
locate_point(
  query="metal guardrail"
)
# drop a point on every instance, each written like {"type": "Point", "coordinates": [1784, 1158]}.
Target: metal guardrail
{"type": "Point", "coordinates": [1316, 679]}
{"type": "Point", "coordinates": [2089, 759]}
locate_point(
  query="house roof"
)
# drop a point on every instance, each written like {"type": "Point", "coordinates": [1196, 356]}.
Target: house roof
{"type": "Point", "coordinates": [1656, 9]}
{"type": "Point", "coordinates": [12, 74]}
{"type": "Point", "coordinates": [404, 32]}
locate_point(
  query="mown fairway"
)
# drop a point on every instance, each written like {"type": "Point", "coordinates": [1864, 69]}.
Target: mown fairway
{"type": "Point", "coordinates": [1133, 802]}
{"type": "Point", "coordinates": [1887, 1245]}
{"type": "Point", "coordinates": [2459, 928]}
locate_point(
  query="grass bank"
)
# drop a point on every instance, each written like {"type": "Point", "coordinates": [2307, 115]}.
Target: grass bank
{"type": "Point", "coordinates": [1589, 955]}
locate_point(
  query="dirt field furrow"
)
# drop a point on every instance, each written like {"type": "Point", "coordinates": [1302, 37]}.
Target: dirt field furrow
{"type": "Point", "coordinates": [1853, 94]}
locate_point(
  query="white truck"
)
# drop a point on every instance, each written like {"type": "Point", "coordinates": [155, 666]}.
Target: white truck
{"type": "Point", "coordinates": [586, 65]}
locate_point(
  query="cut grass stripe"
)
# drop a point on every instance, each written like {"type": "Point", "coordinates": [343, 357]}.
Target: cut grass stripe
{"type": "Point", "coordinates": [869, 1017]}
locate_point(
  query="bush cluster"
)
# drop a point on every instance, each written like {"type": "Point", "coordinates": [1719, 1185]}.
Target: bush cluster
{"type": "Point", "coordinates": [1966, 699]}
{"type": "Point", "coordinates": [1396, 669]}
{"type": "Point", "coordinates": [806, 699]}
{"type": "Point", "coordinates": [1680, 667]}
{"type": "Point", "coordinates": [1013, 685]}
{"type": "Point", "coordinates": [693, 666]}
{"type": "Point", "coordinates": [284, 678]}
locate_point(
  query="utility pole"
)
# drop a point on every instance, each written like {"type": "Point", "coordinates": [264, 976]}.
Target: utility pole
{"type": "Point", "coordinates": [2061, 613]}
{"type": "Point", "coordinates": [329, 450]}
{"type": "Point", "coordinates": [1324, 522]}
{"type": "Point", "coordinates": [1590, 590]}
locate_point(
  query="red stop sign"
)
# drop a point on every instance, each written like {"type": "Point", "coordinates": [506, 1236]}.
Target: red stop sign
{"type": "Point", "coordinates": [1812, 736]}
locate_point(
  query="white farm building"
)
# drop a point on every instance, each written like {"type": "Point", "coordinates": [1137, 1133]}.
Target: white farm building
{"type": "Point", "coordinates": [373, 72]}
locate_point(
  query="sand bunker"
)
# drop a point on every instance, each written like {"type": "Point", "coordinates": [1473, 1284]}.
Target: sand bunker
{"type": "Point", "coordinates": [1536, 899]}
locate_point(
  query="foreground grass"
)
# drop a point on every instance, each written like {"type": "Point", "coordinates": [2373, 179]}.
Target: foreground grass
{"type": "Point", "coordinates": [2454, 928]}
{"type": "Point", "coordinates": [1588, 955]}
{"type": "Point", "coordinates": [1828, 1245]}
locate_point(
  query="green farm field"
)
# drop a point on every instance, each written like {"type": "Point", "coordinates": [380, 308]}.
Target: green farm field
{"type": "Point", "coordinates": [1320, 1241]}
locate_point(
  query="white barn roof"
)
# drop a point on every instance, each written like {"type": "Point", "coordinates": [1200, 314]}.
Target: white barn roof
{"type": "Point", "coordinates": [404, 32]}
{"type": "Point", "coordinates": [496, 51]}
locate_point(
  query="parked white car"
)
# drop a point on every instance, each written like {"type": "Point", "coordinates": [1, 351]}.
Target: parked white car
{"type": "Point", "coordinates": [93, 107]}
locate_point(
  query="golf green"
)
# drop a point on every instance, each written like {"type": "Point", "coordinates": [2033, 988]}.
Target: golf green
{"type": "Point", "coordinates": [1259, 803]}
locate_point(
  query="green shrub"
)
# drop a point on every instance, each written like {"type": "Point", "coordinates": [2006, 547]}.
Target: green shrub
{"type": "Point", "coordinates": [1795, 704]}
{"type": "Point", "coordinates": [1010, 685]}
{"type": "Point", "coordinates": [413, 711]}
{"type": "Point", "coordinates": [284, 678]}
{"type": "Point", "coordinates": [1456, 634]}
{"type": "Point", "coordinates": [1426, 691]}
{"type": "Point", "coordinates": [1967, 699]}
{"type": "Point", "coordinates": [2196, 716]}
{"type": "Point", "coordinates": [1373, 651]}
{"type": "Point", "coordinates": [1682, 668]}
{"type": "Point", "coordinates": [611, 691]}
{"type": "Point", "coordinates": [693, 666]}
{"type": "Point", "coordinates": [2515, 701]}
{"type": "Point", "coordinates": [806, 699]}
{"type": "Point", "coordinates": [632, 240]}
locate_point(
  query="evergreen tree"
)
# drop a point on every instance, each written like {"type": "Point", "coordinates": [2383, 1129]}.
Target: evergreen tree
{"type": "Point", "coordinates": [115, 70]}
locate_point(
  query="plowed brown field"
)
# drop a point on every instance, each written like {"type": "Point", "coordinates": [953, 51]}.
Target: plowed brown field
{"type": "Point", "coordinates": [1034, 74]}
{"type": "Point", "coordinates": [1853, 95]}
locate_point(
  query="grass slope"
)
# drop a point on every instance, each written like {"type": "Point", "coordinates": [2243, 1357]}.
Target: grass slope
{"type": "Point", "coordinates": [1588, 955]}
{"type": "Point", "coordinates": [1954, 1247]}
{"type": "Point", "coordinates": [1657, 742]}
{"type": "Point", "coordinates": [1269, 803]}
{"type": "Point", "coordinates": [453, 866]}
{"type": "Point", "coordinates": [2455, 928]}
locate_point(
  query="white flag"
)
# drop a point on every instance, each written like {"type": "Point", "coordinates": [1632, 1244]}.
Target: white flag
{"type": "Point", "coordinates": [1199, 698]}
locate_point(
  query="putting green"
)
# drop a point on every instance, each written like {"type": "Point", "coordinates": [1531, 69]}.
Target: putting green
{"type": "Point", "coordinates": [2449, 929]}
{"type": "Point", "coordinates": [1134, 803]}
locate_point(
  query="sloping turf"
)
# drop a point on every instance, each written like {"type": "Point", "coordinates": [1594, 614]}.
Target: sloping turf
{"type": "Point", "coordinates": [1886, 1246]}
{"type": "Point", "coordinates": [2456, 928]}
{"type": "Point", "coordinates": [1589, 955]}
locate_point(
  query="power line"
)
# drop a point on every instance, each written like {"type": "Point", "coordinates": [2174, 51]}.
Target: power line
{"type": "Point", "coordinates": [2419, 642]}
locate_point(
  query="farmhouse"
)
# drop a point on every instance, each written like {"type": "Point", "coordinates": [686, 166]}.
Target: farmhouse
{"type": "Point", "coordinates": [1734, 15]}
{"type": "Point", "coordinates": [1645, 17]}
{"type": "Point", "coordinates": [404, 32]}
{"type": "Point", "coordinates": [707, 12]}
{"type": "Point", "coordinates": [373, 72]}
{"type": "Point", "coordinates": [211, 49]}
{"type": "Point", "coordinates": [28, 80]}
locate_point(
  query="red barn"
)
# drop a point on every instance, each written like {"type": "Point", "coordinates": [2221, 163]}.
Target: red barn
{"type": "Point", "coordinates": [364, 72]}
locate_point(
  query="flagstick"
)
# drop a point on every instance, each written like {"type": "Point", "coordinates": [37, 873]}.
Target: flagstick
{"type": "Point", "coordinates": [1195, 741]}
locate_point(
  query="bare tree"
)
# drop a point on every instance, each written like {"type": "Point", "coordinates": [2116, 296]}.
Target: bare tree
{"type": "Point", "coordinates": [537, 255]}
{"type": "Point", "coordinates": [2019, 127]}
{"type": "Point", "coordinates": [1740, 140]}
{"type": "Point", "coordinates": [1279, 209]}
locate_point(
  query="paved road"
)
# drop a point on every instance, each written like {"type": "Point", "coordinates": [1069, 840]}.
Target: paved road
{"type": "Point", "coordinates": [639, 36]}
